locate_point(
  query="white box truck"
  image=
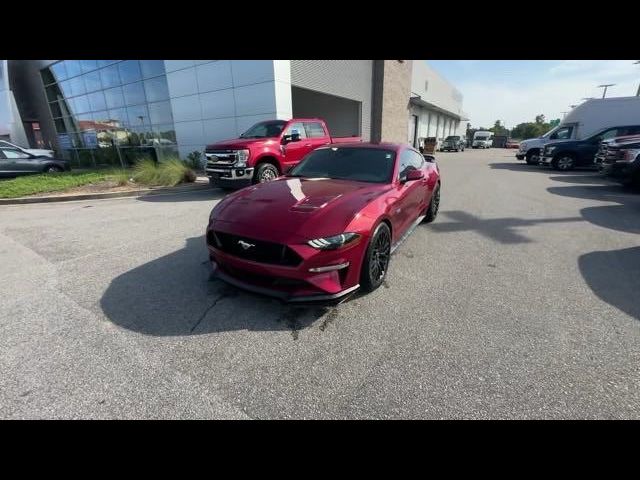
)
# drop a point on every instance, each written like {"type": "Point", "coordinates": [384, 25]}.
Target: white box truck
{"type": "Point", "coordinates": [583, 121]}
{"type": "Point", "coordinates": [482, 139]}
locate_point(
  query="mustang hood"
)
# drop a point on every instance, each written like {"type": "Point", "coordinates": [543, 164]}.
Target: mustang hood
{"type": "Point", "coordinates": [307, 208]}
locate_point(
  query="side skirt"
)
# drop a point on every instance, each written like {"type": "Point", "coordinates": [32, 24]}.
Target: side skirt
{"type": "Point", "coordinates": [407, 233]}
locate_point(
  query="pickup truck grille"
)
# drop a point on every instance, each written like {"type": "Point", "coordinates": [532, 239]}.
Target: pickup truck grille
{"type": "Point", "coordinates": [258, 251]}
{"type": "Point", "coordinates": [218, 157]}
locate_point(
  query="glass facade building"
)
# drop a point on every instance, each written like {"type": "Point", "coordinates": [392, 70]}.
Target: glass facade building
{"type": "Point", "coordinates": [110, 112]}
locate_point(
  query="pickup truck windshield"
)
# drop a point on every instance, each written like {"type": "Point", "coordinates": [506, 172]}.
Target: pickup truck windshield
{"type": "Point", "coordinates": [357, 164]}
{"type": "Point", "coordinates": [265, 129]}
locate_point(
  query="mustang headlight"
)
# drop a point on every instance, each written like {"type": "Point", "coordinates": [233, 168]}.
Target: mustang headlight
{"type": "Point", "coordinates": [331, 243]}
{"type": "Point", "coordinates": [242, 156]}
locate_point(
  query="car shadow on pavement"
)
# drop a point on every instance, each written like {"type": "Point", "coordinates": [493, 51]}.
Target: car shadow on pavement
{"type": "Point", "coordinates": [502, 230]}
{"type": "Point", "coordinates": [173, 296]}
{"type": "Point", "coordinates": [525, 167]}
{"type": "Point", "coordinates": [623, 217]}
{"type": "Point", "coordinates": [614, 276]}
{"type": "Point", "coordinates": [198, 195]}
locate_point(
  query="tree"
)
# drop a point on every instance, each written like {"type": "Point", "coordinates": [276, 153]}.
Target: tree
{"type": "Point", "coordinates": [498, 128]}
{"type": "Point", "coordinates": [540, 119]}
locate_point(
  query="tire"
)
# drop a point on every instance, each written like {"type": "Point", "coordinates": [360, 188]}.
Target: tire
{"type": "Point", "coordinates": [53, 169]}
{"type": "Point", "coordinates": [457, 149]}
{"type": "Point", "coordinates": [564, 162]}
{"type": "Point", "coordinates": [434, 205]}
{"type": "Point", "coordinates": [376, 259]}
{"type": "Point", "coordinates": [529, 158]}
{"type": "Point", "coordinates": [266, 172]}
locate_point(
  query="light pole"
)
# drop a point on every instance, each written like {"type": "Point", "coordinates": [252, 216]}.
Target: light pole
{"type": "Point", "coordinates": [606, 85]}
{"type": "Point", "coordinates": [638, 92]}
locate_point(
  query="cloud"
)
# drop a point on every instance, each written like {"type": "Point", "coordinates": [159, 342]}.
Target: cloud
{"type": "Point", "coordinates": [551, 94]}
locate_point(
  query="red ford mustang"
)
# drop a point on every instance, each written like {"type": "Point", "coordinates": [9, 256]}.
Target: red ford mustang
{"type": "Point", "coordinates": [326, 228]}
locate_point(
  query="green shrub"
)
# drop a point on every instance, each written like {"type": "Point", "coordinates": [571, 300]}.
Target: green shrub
{"type": "Point", "coordinates": [120, 176]}
{"type": "Point", "coordinates": [146, 172]}
{"type": "Point", "coordinates": [167, 173]}
{"type": "Point", "coordinates": [194, 160]}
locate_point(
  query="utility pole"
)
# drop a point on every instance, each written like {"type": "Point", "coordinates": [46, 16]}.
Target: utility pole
{"type": "Point", "coordinates": [638, 92]}
{"type": "Point", "coordinates": [606, 85]}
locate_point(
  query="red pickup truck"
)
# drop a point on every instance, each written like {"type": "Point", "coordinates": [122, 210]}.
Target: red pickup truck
{"type": "Point", "coordinates": [265, 151]}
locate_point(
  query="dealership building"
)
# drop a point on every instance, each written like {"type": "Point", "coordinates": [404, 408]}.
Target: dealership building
{"type": "Point", "coordinates": [111, 112]}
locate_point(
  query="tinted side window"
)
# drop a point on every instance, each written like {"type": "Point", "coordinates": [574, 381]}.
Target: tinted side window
{"type": "Point", "coordinates": [417, 160]}
{"type": "Point", "coordinates": [633, 130]}
{"type": "Point", "coordinates": [562, 134]}
{"type": "Point", "coordinates": [607, 134]}
{"type": "Point", "coordinates": [409, 160]}
{"type": "Point", "coordinates": [11, 153]}
{"type": "Point", "coordinates": [314, 130]}
{"type": "Point", "coordinates": [296, 126]}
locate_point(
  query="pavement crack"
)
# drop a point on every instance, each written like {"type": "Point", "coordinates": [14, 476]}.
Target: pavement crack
{"type": "Point", "coordinates": [208, 309]}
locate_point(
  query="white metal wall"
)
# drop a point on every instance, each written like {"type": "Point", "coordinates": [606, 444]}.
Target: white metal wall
{"type": "Point", "coordinates": [214, 100]}
{"type": "Point", "coordinates": [352, 79]}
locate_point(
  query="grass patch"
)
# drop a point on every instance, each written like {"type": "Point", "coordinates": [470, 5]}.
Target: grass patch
{"type": "Point", "coordinates": [57, 182]}
{"type": "Point", "coordinates": [146, 172]}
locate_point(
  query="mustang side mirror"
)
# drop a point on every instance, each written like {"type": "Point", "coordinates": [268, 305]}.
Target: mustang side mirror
{"type": "Point", "coordinates": [415, 175]}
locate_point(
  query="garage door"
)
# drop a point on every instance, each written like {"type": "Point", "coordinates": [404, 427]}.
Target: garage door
{"type": "Point", "coordinates": [342, 115]}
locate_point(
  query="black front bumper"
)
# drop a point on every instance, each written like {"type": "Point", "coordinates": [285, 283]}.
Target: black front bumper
{"type": "Point", "coordinates": [280, 295]}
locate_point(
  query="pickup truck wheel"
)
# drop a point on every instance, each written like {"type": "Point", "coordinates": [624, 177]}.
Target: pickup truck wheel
{"type": "Point", "coordinates": [563, 162]}
{"type": "Point", "coordinates": [265, 172]}
{"type": "Point", "coordinates": [531, 158]}
{"type": "Point", "coordinates": [376, 259]}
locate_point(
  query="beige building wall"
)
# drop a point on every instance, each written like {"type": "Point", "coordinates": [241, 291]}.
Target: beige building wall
{"type": "Point", "coordinates": [392, 90]}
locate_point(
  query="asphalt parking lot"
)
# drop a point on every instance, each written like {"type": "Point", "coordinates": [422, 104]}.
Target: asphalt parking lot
{"type": "Point", "coordinates": [522, 300]}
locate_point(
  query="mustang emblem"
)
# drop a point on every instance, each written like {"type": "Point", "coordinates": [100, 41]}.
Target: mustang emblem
{"type": "Point", "coordinates": [245, 245]}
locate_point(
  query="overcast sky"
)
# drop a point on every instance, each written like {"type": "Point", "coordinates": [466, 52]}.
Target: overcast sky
{"type": "Point", "coordinates": [515, 91]}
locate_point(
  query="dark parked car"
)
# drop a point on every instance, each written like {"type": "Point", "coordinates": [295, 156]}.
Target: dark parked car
{"type": "Point", "coordinates": [453, 142]}
{"type": "Point", "coordinates": [566, 155]}
{"type": "Point", "coordinates": [15, 162]}
{"type": "Point", "coordinates": [621, 160]}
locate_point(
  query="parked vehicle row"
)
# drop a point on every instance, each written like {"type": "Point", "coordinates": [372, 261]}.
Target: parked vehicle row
{"type": "Point", "coordinates": [601, 133]}
{"type": "Point", "coordinates": [586, 125]}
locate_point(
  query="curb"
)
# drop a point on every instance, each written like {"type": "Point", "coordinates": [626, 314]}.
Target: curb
{"type": "Point", "coordinates": [98, 196]}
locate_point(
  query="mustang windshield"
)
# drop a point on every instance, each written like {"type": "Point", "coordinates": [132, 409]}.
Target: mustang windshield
{"type": "Point", "coordinates": [357, 164]}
